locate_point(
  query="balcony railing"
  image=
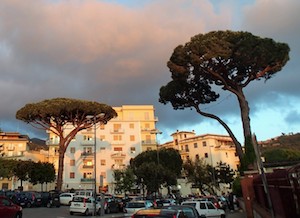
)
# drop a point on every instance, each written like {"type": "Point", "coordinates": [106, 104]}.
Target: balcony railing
{"type": "Point", "coordinates": [88, 166]}
{"type": "Point", "coordinates": [87, 142]}
{"type": "Point", "coordinates": [87, 179]}
{"type": "Point", "coordinates": [84, 154]}
{"type": "Point", "coordinates": [149, 142]}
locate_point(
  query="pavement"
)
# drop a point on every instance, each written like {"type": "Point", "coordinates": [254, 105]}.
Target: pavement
{"type": "Point", "coordinates": [236, 214]}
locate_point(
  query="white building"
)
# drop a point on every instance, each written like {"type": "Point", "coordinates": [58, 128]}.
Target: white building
{"type": "Point", "coordinates": [118, 141]}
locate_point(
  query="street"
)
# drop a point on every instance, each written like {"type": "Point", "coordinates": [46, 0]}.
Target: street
{"type": "Point", "coordinates": [63, 212]}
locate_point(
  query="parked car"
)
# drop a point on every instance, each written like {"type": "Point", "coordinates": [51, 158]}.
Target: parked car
{"type": "Point", "coordinates": [211, 198]}
{"type": "Point", "coordinates": [26, 199]}
{"type": "Point", "coordinates": [206, 208]}
{"type": "Point", "coordinates": [84, 205]}
{"type": "Point", "coordinates": [133, 206]}
{"type": "Point", "coordinates": [165, 202]}
{"type": "Point", "coordinates": [50, 199]}
{"type": "Point", "coordinates": [223, 202]}
{"type": "Point", "coordinates": [189, 211]}
{"type": "Point", "coordinates": [111, 205]}
{"type": "Point", "coordinates": [8, 209]}
{"type": "Point", "coordinates": [66, 198]}
{"type": "Point", "coordinates": [158, 212]}
{"type": "Point", "coordinates": [85, 192]}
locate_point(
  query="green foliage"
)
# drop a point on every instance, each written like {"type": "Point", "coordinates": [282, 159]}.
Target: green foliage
{"type": "Point", "coordinates": [237, 187]}
{"type": "Point", "coordinates": [64, 110]}
{"type": "Point", "coordinates": [197, 172]}
{"type": "Point", "coordinates": [221, 59]}
{"type": "Point", "coordinates": [155, 168]}
{"type": "Point", "coordinates": [7, 168]}
{"type": "Point", "coordinates": [124, 180]}
{"type": "Point", "coordinates": [54, 114]}
{"type": "Point", "coordinates": [223, 173]}
{"type": "Point", "coordinates": [281, 155]}
{"type": "Point", "coordinates": [249, 157]}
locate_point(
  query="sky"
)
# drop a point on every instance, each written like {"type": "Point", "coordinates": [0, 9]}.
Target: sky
{"type": "Point", "coordinates": [116, 52]}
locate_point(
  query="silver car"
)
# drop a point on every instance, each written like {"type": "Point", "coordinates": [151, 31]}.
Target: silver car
{"type": "Point", "coordinates": [134, 206]}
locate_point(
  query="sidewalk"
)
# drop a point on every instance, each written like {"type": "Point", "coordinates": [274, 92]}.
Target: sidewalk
{"type": "Point", "coordinates": [236, 214]}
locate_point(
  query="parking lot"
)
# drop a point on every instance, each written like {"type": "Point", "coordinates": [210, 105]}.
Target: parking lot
{"type": "Point", "coordinates": [63, 212]}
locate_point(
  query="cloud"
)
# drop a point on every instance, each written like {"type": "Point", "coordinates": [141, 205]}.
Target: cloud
{"type": "Point", "coordinates": [116, 53]}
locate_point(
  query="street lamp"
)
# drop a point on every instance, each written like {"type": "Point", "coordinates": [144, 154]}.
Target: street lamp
{"type": "Point", "coordinates": [156, 131]}
{"type": "Point", "coordinates": [93, 119]}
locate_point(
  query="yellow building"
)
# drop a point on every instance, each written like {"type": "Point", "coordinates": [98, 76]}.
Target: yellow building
{"type": "Point", "coordinates": [213, 148]}
{"type": "Point", "coordinates": [15, 146]}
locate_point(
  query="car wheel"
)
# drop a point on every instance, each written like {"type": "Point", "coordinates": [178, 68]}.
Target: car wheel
{"type": "Point", "coordinates": [69, 204]}
{"type": "Point", "coordinates": [28, 204]}
{"type": "Point", "coordinates": [71, 213]}
{"type": "Point", "coordinates": [107, 210]}
{"type": "Point", "coordinates": [223, 216]}
{"type": "Point", "coordinates": [48, 205]}
{"type": "Point", "coordinates": [18, 215]}
{"type": "Point", "coordinates": [87, 212]}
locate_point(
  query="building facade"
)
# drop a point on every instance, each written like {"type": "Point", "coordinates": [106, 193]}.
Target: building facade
{"type": "Point", "coordinates": [213, 148]}
{"type": "Point", "coordinates": [15, 146]}
{"type": "Point", "coordinates": [118, 141]}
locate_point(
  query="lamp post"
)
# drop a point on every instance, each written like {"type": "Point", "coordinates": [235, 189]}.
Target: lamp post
{"type": "Point", "coordinates": [156, 131]}
{"type": "Point", "coordinates": [212, 168]}
{"type": "Point", "coordinates": [93, 120]}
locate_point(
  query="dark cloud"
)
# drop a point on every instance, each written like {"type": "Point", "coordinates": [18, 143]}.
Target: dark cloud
{"type": "Point", "coordinates": [117, 54]}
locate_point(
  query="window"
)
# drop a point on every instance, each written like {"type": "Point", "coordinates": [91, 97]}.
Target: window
{"type": "Point", "coordinates": [87, 175]}
{"type": "Point", "coordinates": [197, 157]}
{"type": "Point", "coordinates": [132, 150]}
{"type": "Point", "coordinates": [195, 145]}
{"type": "Point", "coordinates": [117, 137]}
{"type": "Point", "coordinates": [103, 162]}
{"type": "Point", "coordinates": [131, 125]}
{"type": "Point", "coordinates": [202, 206]}
{"type": "Point", "coordinates": [147, 126]}
{"type": "Point", "coordinates": [132, 138]}
{"type": "Point", "coordinates": [204, 144]}
{"type": "Point", "coordinates": [102, 126]}
{"type": "Point", "coordinates": [87, 150]}
{"type": "Point", "coordinates": [72, 175]}
{"type": "Point", "coordinates": [118, 149]}
{"type": "Point", "coordinates": [226, 154]}
{"type": "Point", "coordinates": [148, 138]}
{"type": "Point", "coordinates": [88, 138]}
{"type": "Point", "coordinates": [72, 150]}
{"type": "Point", "coordinates": [72, 162]}
{"type": "Point", "coordinates": [117, 127]}
{"type": "Point", "coordinates": [102, 137]}
{"type": "Point", "coordinates": [210, 205]}
{"type": "Point", "coordinates": [186, 148]}
{"type": "Point", "coordinates": [206, 155]}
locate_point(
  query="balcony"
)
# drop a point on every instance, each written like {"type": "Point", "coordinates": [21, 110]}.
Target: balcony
{"type": "Point", "coordinates": [118, 155]}
{"type": "Point", "coordinates": [10, 148]}
{"type": "Point", "coordinates": [87, 180]}
{"type": "Point", "coordinates": [85, 154]}
{"type": "Point", "coordinates": [149, 142]}
{"type": "Point", "coordinates": [52, 142]}
{"type": "Point", "coordinates": [87, 166]}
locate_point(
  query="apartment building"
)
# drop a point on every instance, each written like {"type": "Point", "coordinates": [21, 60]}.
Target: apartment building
{"type": "Point", "coordinates": [15, 146]}
{"type": "Point", "coordinates": [118, 141]}
{"type": "Point", "coordinates": [213, 148]}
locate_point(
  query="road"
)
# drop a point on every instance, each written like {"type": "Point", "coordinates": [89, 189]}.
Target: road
{"type": "Point", "coordinates": [63, 212]}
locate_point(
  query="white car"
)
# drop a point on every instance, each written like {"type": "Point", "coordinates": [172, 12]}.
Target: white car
{"type": "Point", "coordinates": [206, 208]}
{"type": "Point", "coordinates": [84, 205]}
{"type": "Point", "coordinates": [66, 198]}
{"type": "Point", "coordinates": [134, 206]}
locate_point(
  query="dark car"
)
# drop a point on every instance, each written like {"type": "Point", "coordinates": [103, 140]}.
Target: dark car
{"type": "Point", "coordinates": [189, 211]}
{"type": "Point", "coordinates": [111, 205]}
{"type": "Point", "coordinates": [8, 209]}
{"type": "Point", "coordinates": [50, 199]}
{"type": "Point", "coordinates": [27, 199]}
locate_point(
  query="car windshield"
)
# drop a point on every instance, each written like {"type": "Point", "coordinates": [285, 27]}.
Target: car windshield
{"type": "Point", "coordinates": [135, 205]}
{"type": "Point", "coordinates": [78, 199]}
